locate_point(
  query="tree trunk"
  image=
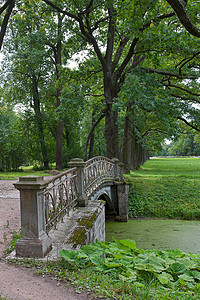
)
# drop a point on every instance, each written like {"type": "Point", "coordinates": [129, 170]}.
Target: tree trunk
{"type": "Point", "coordinates": [90, 137]}
{"type": "Point", "coordinates": [91, 147]}
{"type": "Point", "coordinates": [111, 133]}
{"type": "Point", "coordinates": [130, 146]}
{"type": "Point", "coordinates": [133, 154]}
{"type": "Point", "coordinates": [39, 122]}
{"type": "Point", "coordinates": [59, 135]}
{"type": "Point", "coordinates": [111, 116]}
{"type": "Point", "coordinates": [59, 140]}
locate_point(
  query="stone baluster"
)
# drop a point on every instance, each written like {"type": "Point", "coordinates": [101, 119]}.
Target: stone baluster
{"type": "Point", "coordinates": [116, 168]}
{"type": "Point", "coordinates": [80, 164]}
{"type": "Point", "coordinates": [121, 171]}
{"type": "Point", "coordinates": [34, 240]}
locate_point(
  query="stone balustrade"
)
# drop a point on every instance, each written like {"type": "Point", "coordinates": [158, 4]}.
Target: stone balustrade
{"type": "Point", "coordinates": [44, 203]}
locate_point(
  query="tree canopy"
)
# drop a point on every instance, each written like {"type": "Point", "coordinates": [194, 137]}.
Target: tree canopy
{"type": "Point", "coordinates": [135, 82]}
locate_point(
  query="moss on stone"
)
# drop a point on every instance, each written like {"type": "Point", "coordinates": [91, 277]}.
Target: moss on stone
{"type": "Point", "coordinates": [78, 237]}
{"type": "Point", "coordinates": [88, 221]}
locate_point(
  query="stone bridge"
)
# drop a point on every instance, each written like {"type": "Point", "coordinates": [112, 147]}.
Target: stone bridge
{"type": "Point", "coordinates": [69, 210]}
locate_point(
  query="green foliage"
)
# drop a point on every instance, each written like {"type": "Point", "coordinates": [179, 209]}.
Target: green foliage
{"type": "Point", "coordinates": [170, 274]}
{"type": "Point", "coordinates": [12, 153]}
{"type": "Point", "coordinates": [15, 237]}
{"type": "Point", "coordinates": [166, 188]}
{"type": "Point", "coordinates": [187, 144]}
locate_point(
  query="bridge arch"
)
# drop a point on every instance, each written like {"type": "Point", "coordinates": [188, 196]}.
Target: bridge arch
{"type": "Point", "coordinates": [105, 194]}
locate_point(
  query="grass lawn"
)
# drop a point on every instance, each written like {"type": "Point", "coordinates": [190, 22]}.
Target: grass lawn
{"type": "Point", "coordinates": [167, 188]}
{"type": "Point", "coordinates": [24, 171]}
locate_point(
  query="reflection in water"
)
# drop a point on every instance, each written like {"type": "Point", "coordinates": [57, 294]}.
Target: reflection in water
{"type": "Point", "coordinates": [158, 234]}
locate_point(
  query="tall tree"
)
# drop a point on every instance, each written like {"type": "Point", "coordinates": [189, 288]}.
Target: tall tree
{"type": "Point", "coordinates": [104, 26]}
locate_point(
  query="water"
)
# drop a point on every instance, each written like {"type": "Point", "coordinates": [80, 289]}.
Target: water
{"type": "Point", "coordinates": [158, 234]}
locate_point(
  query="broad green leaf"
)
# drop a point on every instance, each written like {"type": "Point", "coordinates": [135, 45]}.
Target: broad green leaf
{"type": "Point", "coordinates": [157, 261]}
{"type": "Point", "coordinates": [111, 263]}
{"type": "Point", "coordinates": [68, 255]}
{"type": "Point", "coordinates": [164, 278]}
{"type": "Point", "coordinates": [173, 253]}
{"type": "Point", "coordinates": [91, 250]}
{"type": "Point", "coordinates": [186, 277]}
{"type": "Point", "coordinates": [196, 274]}
{"type": "Point", "coordinates": [189, 263]}
{"type": "Point", "coordinates": [182, 282]}
{"type": "Point", "coordinates": [177, 268]}
{"type": "Point", "coordinates": [128, 243]}
{"type": "Point", "coordinates": [97, 260]}
{"type": "Point", "coordinates": [169, 261]}
{"type": "Point", "coordinates": [129, 276]}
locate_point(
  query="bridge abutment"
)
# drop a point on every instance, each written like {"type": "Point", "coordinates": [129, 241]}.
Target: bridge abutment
{"type": "Point", "coordinates": [122, 199]}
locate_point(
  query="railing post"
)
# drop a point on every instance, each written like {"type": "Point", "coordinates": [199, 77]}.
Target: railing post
{"type": "Point", "coordinates": [121, 171]}
{"type": "Point", "coordinates": [116, 162]}
{"type": "Point", "coordinates": [34, 242]}
{"type": "Point", "coordinates": [80, 164]}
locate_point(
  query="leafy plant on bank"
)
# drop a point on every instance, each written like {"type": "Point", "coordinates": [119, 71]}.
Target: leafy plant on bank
{"type": "Point", "coordinates": [171, 271]}
{"type": "Point", "coordinates": [15, 237]}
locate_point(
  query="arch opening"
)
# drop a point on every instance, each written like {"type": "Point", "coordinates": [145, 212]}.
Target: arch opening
{"type": "Point", "coordinates": [110, 212]}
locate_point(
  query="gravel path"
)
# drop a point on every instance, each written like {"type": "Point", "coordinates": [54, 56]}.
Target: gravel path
{"type": "Point", "coordinates": [18, 283]}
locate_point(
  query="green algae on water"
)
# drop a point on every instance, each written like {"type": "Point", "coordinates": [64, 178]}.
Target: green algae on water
{"type": "Point", "coordinates": [158, 234]}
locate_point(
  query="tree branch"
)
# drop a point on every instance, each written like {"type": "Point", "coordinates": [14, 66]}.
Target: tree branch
{"type": "Point", "coordinates": [185, 61]}
{"type": "Point", "coordinates": [5, 6]}
{"type": "Point", "coordinates": [171, 74]}
{"type": "Point", "coordinates": [119, 52]}
{"type": "Point", "coordinates": [61, 10]}
{"type": "Point", "coordinates": [127, 59]}
{"type": "Point", "coordinates": [179, 8]}
{"type": "Point", "coordinates": [5, 21]}
{"type": "Point", "coordinates": [111, 36]}
{"type": "Point", "coordinates": [182, 89]}
{"type": "Point", "coordinates": [90, 133]}
{"type": "Point", "coordinates": [189, 124]}
{"type": "Point", "coordinates": [185, 98]}
{"type": "Point", "coordinates": [90, 38]}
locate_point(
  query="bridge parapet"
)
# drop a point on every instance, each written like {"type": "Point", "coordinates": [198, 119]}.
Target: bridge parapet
{"type": "Point", "coordinates": [44, 203]}
{"type": "Point", "coordinates": [60, 197]}
{"type": "Point", "coordinates": [99, 170]}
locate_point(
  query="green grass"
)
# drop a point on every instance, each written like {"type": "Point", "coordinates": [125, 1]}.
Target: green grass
{"type": "Point", "coordinates": [24, 171]}
{"type": "Point", "coordinates": [167, 188]}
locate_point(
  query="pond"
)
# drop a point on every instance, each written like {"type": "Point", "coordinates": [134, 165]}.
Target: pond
{"type": "Point", "coordinates": [158, 234]}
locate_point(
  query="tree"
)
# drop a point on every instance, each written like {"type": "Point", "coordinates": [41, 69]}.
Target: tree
{"type": "Point", "coordinates": [113, 45]}
{"type": "Point", "coordinates": [124, 35]}
{"type": "Point", "coordinates": [13, 153]}
{"type": "Point", "coordinates": [36, 61]}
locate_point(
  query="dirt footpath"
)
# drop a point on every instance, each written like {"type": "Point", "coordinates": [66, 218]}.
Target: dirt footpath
{"type": "Point", "coordinates": [17, 283]}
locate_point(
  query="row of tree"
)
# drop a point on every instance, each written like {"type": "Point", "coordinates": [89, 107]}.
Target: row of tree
{"type": "Point", "coordinates": [186, 144]}
{"type": "Point", "coordinates": [135, 83]}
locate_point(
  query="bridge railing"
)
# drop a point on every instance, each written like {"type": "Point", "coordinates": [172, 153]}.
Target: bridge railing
{"type": "Point", "coordinates": [98, 170]}
{"type": "Point", "coordinates": [60, 197]}
{"type": "Point", "coordinates": [43, 203]}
